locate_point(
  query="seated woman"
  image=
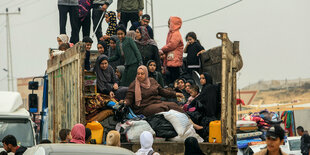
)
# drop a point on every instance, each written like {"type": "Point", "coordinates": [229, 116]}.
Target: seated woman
{"type": "Point", "coordinates": [144, 94]}
{"type": "Point", "coordinates": [181, 88]}
{"type": "Point", "coordinates": [106, 79]}
{"type": "Point", "coordinates": [151, 66]}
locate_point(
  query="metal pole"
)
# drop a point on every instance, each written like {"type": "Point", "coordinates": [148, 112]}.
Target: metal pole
{"type": "Point", "coordinates": [146, 11]}
{"type": "Point", "coordinates": [152, 16]}
{"type": "Point", "coordinates": [7, 47]}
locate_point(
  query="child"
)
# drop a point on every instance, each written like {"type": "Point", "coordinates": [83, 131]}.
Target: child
{"type": "Point", "coordinates": [102, 47]}
{"type": "Point", "coordinates": [151, 66]}
{"type": "Point", "coordinates": [89, 43]}
{"type": "Point", "coordinates": [194, 92]}
{"type": "Point", "coordinates": [192, 48]}
{"type": "Point", "coordinates": [65, 135]}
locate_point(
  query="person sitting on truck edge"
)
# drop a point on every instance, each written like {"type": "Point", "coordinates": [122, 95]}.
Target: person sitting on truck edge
{"type": "Point", "coordinates": [304, 143]}
{"type": "Point", "coordinates": [89, 43]}
{"type": "Point", "coordinates": [65, 135]}
{"type": "Point", "coordinates": [275, 138]}
{"type": "Point", "coordinates": [10, 145]}
{"type": "Point", "coordinates": [192, 147]}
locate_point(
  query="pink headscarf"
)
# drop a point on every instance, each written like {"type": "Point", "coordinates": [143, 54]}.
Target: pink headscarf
{"type": "Point", "coordinates": [145, 84]}
{"type": "Point", "coordinates": [78, 134]}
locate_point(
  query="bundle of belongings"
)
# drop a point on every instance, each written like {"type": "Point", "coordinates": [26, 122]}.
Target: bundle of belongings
{"type": "Point", "coordinates": [165, 126]}
{"type": "Point", "coordinates": [247, 132]}
{"type": "Point", "coordinates": [251, 130]}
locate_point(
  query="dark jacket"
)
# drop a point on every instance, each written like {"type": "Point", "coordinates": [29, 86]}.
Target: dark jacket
{"type": "Point", "coordinates": [158, 77]}
{"type": "Point", "coordinates": [20, 150]}
{"type": "Point", "coordinates": [130, 50]}
{"type": "Point", "coordinates": [149, 52]}
{"type": "Point", "coordinates": [192, 58]}
{"type": "Point", "coordinates": [87, 61]}
{"type": "Point", "coordinates": [135, 26]}
{"type": "Point", "coordinates": [130, 5]}
{"type": "Point", "coordinates": [305, 144]}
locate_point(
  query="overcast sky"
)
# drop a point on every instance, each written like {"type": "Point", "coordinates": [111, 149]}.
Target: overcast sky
{"type": "Point", "coordinates": [273, 34]}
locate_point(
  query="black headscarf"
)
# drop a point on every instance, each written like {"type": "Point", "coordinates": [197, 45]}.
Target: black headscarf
{"type": "Point", "coordinates": [104, 45]}
{"type": "Point", "coordinates": [208, 98]}
{"type": "Point", "coordinates": [192, 147]}
{"type": "Point", "coordinates": [105, 78]}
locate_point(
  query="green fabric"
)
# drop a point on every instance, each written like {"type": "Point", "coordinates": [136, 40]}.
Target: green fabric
{"type": "Point", "coordinates": [131, 52]}
{"type": "Point", "coordinates": [129, 75]}
{"type": "Point", "coordinates": [130, 5]}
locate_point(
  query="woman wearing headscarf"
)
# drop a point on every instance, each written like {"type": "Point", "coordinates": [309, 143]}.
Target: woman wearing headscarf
{"type": "Point", "coordinates": [146, 142]}
{"type": "Point", "coordinates": [106, 79]}
{"type": "Point", "coordinates": [151, 66]}
{"type": "Point", "coordinates": [110, 18]}
{"type": "Point", "coordinates": [113, 138]}
{"type": "Point", "coordinates": [78, 134]}
{"type": "Point", "coordinates": [119, 71]}
{"type": "Point", "coordinates": [126, 48]}
{"type": "Point", "coordinates": [63, 38]}
{"type": "Point", "coordinates": [147, 47]}
{"type": "Point", "coordinates": [144, 95]}
{"type": "Point", "coordinates": [192, 147]}
{"type": "Point", "coordinates": [207, 104]}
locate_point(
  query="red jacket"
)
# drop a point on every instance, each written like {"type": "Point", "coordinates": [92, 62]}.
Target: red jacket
{"type": "Point", "coordinates": [174, 43]}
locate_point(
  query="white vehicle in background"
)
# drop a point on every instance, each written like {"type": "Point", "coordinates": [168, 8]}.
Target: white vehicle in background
{"type": "Point", "coordinates": [292, 146]}
{"type": "Point", "coordinates": [15, 120]}
{"type": "Point", "coordinates": [76, 149]}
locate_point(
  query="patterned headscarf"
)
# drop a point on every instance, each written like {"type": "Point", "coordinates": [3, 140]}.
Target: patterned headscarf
{"type": "Point", "coordinates": [112, 24]}
{"type": "Point", "coordinates": [64, 38]}
{"type": "Point", "coordinates": [145, 37]}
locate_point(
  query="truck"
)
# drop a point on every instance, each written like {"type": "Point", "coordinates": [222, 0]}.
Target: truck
{"type": "Point", "coordinates": [15, 120]}
{"type": "Point", "coordinates": [69, 86]}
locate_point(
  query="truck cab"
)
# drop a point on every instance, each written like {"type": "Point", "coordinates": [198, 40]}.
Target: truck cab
{"type": "Point", "coordinates": [15, 120]}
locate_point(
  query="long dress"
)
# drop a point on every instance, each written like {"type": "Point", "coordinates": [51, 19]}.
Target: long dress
{"type": "Point", "coordinates": [151, 103]}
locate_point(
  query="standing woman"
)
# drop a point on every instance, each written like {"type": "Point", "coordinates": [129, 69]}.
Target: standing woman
{"type": "Point", "coordinates": [147, 47]}
{"type": "Point", "coordinates": [174, 49]}
{"type": "Point", "coordinates": [126, 47]}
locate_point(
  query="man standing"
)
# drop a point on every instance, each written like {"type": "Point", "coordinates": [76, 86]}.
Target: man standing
{"type": "Point", "coordinates": [99, 7]}
{"type": "Point", "coordinates": [10, 145]}
{"type": "Point", "coordinates": [275, 138]}
{"type": "Point", "coordinates": [129, 10]}
{"type": "Point", "coordinates": [304, 140]}
{"type": "Point", "coordinates": [145, 20]}
{"type": "Point", "coordinates": [71, 7]}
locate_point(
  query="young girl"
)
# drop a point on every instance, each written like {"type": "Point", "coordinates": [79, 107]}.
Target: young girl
{"type": "Point", "coordinates": [151, 66]}
{"type": "Point", "coordinates": [127, 48]}
{"type": "Point", "coordinates": [194, 92]}
{"type": "Point", "coordinates": [192, 48]}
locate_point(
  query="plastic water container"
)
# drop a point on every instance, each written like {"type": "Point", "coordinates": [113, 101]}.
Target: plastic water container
{"type": "Point", "coordinates": [215, 134]}
{"type": "Point", "coordinates": [96, 131]}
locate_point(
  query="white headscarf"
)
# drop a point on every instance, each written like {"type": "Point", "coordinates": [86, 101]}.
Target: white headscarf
{"type": "Point", "coordinates": [146, 141]}
{"type": "Point", "coordinates": [64, 38]}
